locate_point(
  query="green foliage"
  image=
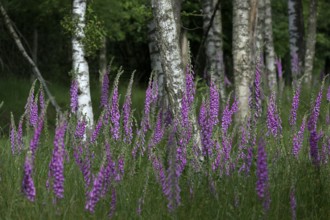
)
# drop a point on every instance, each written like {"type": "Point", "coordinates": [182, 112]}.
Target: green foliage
{"type": "Point", "coordinates": [122, 18]}
{"type": "Point", "coordinates": [94, 31]}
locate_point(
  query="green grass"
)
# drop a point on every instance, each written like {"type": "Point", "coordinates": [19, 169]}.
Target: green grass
{"type": "Point", "coordinates": [203, 196]}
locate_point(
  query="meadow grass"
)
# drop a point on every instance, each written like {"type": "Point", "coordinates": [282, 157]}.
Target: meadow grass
{"type": "Point", "coordinates": [204, 194]}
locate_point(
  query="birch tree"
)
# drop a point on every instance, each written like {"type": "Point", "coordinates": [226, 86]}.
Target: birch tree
{"type": "Point", "coordinates": [296, 34]}
{"type": "Point", "coordinates": [244, 22]}
{"type": "Point", "coordinates": [168, 42]}
{"type": "Point", "coordinates": [310, 43]}
{"type": "Point", "coordinates": [213, 44]}
{"type": "Point", "coordinates": [80, 65]}
{"type": "Point", "coordinates": [269, 47]}
{"type": "Point", "coordinates": [156, 65]}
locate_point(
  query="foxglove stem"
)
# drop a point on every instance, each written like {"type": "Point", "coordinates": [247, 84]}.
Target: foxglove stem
{"type": "Point", "coordinates": [273, 118]}
{"type": "Point", "coordinates": [315, 112]}
{"type": "Point", "coordinates": [214, 104]}
{"type": "Point", "coordinates": [257, 87]}
{"type": "Point", "coordinates": [74, 96]}
{"type": "Point", "coordinates": [105, 90]}
{"type": "Point", "coordinates": [28, 187]}
{"type": "Point", "coordinates": [262, 172]}
{"type": "Point", "coordinates": [298, 139]}
{"type": "Point", "coordinates": [294, 108]}
{"type": "Point", "coordinates": [115, 115]}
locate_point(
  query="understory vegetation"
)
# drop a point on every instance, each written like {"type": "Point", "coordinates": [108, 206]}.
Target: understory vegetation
{"type": "Point", "coordinates": [197, 165]}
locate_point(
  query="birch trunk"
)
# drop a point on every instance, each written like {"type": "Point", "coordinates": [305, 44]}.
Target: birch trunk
{"type": "Point", "coordinates": [156, 65]}
{"type": "Point", "coordinates": [168, 42]}
{"type": "Point", "coordinates": [213, 45]}
{"type": "Point", "coordinates": [80, 65]}
{"type": "Point", "coordinates": [260, 27]}
{"type": "Point", "coordinates": [296, 35]}
{"type": "Point", "coordinates": [269, 48]}
{"type": "Point", "coordinates": [242, 55]}
{"type": "Point", "coordinates": [310, 43]}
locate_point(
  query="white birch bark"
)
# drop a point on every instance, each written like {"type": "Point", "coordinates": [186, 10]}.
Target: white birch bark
{"type": "Point", "coordinates": [168, 42]}
{"type": "Point", "coordinates": [269, 48]}
{"type": "Point", "coordinates": [156, 64]}
{"type": "Point", "coordinates": [242, 56]}
{"type": "Point", "coordinates": [213, 45]}
{"type": "Point", "coordinates": [311, 40]}
{"type": "Point", "coordinates": [296, 34]}
{"type": "Point", "coordinates": [80, 65]}
{"type": "Point", "coordinates": [260, 27]}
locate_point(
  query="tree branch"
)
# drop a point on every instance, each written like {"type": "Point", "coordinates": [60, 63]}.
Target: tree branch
{"type": "Point", "coordinates": [21, 48]}
{"type": "Point", "coordinates": [206, 33]}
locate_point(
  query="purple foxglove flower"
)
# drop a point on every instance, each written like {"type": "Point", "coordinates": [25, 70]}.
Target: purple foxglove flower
{"type": "Point", "coordinates": [160, 173]}
{"type": "Point", "coordinates": [185, 111]}
{"type": "Point", "coordinates": [190, 87]}
{"type": "Point", "coordinates": [121, 165]}
{"type": "Point", "coordinates": [181, 157]}
{"type": "Point", "coordinates": [298, 139]}
{"type": "Point", "coordinates": [105, 90]}
{"type": "Point", "coordinates": [279, 68]}
{"type": "Point", "coordinates": [294, 108]}
{"type": "Point", "coordinates": [262, 171]}
{"type": "Point", "coordinates": [154, 95]}
{"type": "Point", "coordinates": [13, 135]}
{"type": "Point", "coordinates": [314, 151]}
{"type": "Point", "coordinates": [80, 129]}
{"type": "Point", "coordinates": [36, 136]}
{"type": "Point", "coordinates": [20, 143]}
{"type": "Point", "coordinates": [42, 99]}
{"type": "Point", "coordinates": [216, 162]}
{"type": "Point", "coordinates": [293, 203]}
{"type": "Point", "coordinates": [115, 115]}
{"type": "Point", "coordinates": [127, 119]}
{"type": "Point", "coordinates": [33, 113]}
{"type": "Point", "coordinates": [147, 105]}
{"type": "Point", "coordinates": [227, 116]}
{"type": "Point", "coordinates": [56, 165]}
{"type": "Point", "coordinates": [95, 194]}
{"type": "Point", "coordinates": [273, 118]}
{"type": "Point", "coordinates": [214, 104]}
{"type": "Point", "coordinates": [206, 130]}
{"type": "Point", "coordinates": [28, 187]}
{"type": "Point", "coordinates": [159, 130]}
{"type": "Point", "coordinates": [257, 87]}
{"type": "Point", "coordinates": [74, 96]}
{"type": "Point", "coordinates": [97, 129]}
{"type": "Point", "coordinates": [315, 112]}
{"type": "Point", "coordinates": [113, 203]}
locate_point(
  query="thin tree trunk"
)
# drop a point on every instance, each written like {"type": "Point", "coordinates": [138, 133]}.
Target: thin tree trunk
{"type": "Point", "coordinates": [80, 65]}
{"type": "Point", "coordinates": [243, 24]}
{"type": "Point", "coordinates": [296, 36]}
{"type": "Point", "coordinates": [213, 45]}
{"type": "Point", "coordinates": [310, 43]}
{"type": "Point", "coordinates": [168, 42]}
{"type": "Point", "coordinates": [156, 65]}
{"type": "Point", "coordinates": [269, 48]}
{"type": "Point", "coordinates": [28, 58]}
{"type": "Point", "coordinates": [260, 27]}
{"type": "Point", "coordinates": [103, 59]}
